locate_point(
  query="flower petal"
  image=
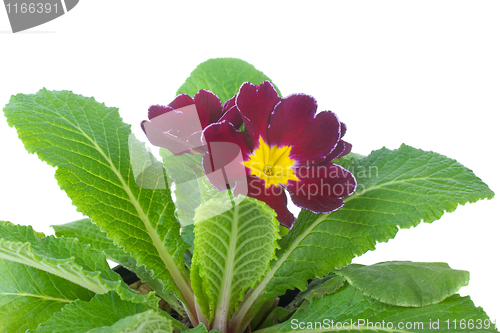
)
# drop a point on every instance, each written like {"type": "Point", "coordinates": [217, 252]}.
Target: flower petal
{"type": "Point", "coordinates": [155, 133]}
{"type": "Point", "coordinates": [196, 143]}
{"type": "Point", "coordinates": [223, 165]}
{"type": "Point", "coordinates": [158, 110]}
{"type": "Point", "coordinates": [255, 104]}
{"type": "Point", "coordinates": [343, 129]}
{"type": "Point", "coordinates": [343, 148]}
{"type": "Point", "coordinates": [290, 118]}
{"type": "Point", "coordinates": [229, 103]}
{"type": "Point", "coordinates": [317, 140]}
{"type": "Point", "coordinates": [274, 196]}
{"type": "Point", "coordinates": [233, 116]}
{"type": "Point", "coordinates": [225, 131]}
{"type": "Point", "coordinates": [335, 153]}
{"type": "Point", "coordinates": [208, 106]}
{"type": "Point", "coordinates": [181, 101]}
{"type": "Point", "coordinates": [224, 144]}
{"type": "Point", "coordinates": [311, 137]}
{"type": "Point", "coordinates": [231, 113]}
{"type": "Point", "coordinates": [347, 149]}
{"type": "Point", "coordinates": [320, 189]}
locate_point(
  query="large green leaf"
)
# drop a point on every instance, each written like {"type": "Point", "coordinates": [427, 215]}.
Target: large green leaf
{"type": "Point", "coordinates": [234, 244]}
{"type": "Point", "coordinates": [88, 143]}
{"type": "Point", "coordinates": [406, 283]}
{"type": "Point", "coordinates": [222, 76]}
{"type": "Point", "coordinates": [64, 257]}
{"type": "Point", "coordinates": [350, 311]}
{"type": "Point", "coordinates": [396, 189]}
{"type": "Point", "coordinates": [29, 296]}
{"type": "Point", "coordinates": [89, 233]}
{"type": "Point", "coordinates": [102, 311]}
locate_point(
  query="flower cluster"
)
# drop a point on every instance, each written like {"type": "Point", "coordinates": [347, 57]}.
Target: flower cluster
{"type": "Point", "coordinates": [179, 125]}
{"type": "Point", "coordinates": [284, 145]}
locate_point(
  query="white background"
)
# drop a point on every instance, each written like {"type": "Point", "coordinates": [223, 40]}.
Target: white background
{"type": "Point", "coordinates": [426, 73]}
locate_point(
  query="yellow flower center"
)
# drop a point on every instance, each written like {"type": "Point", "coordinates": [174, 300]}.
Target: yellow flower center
{"type": "Point", "coordinates": [272, 164]}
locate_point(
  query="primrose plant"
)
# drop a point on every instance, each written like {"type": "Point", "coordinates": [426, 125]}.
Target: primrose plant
{"type": "Point", "coordinates": [226, 254]}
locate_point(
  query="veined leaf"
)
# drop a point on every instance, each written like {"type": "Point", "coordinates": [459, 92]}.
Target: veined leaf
{"type": "Point", "coordinates": [406, 283]}
{"type": "Point", "coordinates": [88, 143]}
{"type": "Point", "coordinates": [29, 296]}
{"type": "Point", "coordinates": [233, 248]}
{"type": "Point", "coordinates": [64, 257]}
{"type": "Point", "coordinates": [350, 311]}
{"type": "Point", "coordinates": [396, 189]}
{"type": "Point", "coordinates": [101, 311]}
{"type": "Point", "coordinates": [347, 160]}
{"type": "Point", "coordinates": [146, 322]}
{"type": "Point", "coordinates": [89, 233]}
{"type": "Point", "coordinates": [223, 77]}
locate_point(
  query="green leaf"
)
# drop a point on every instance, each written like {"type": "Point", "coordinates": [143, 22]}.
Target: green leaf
{"type": "Point", "coordinates": [199, 329]}
{"type": "Point", "coordinates": [64, 257]}
{"type": "Point", "coordinates": [317, 288]}
{"type": "Point", "coordinates": [396, 189]}
{"type": "Point", "coordinates": [88, 233]}
{"type": "Point", "coordinates": [234, 244]}
{"type": "Point", "coordinates": [101, 311]}
{"type": "Point", "coordinates": [191, 186]}
{"type": "Point", "coordinates": [187, 234]}
{"type": "Point", "coordinates": [406, 283]}
{"type": "Point", "coordinates": [359, 313]}
{"type": "Point", "coordinates": [277, 315]}
{"type": "Point", "coordinates": [222, 76]}
{"type": "Point", "coordinates": [325, 286]}
{"type": "Point", "coordinates": [88, 144]}
{"type": "Point", "coordinates": [29, 296]}
{"type": "Point", "coordinates": [191, 189]}
{"type": "Point", "coordinates": [347, 160]}
{"type": "Point", "coordinates": [146, 322]}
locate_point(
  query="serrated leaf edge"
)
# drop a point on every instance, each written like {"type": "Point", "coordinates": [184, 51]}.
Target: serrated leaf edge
{"type": "Point", "coordinates": [67, 269]}
{"type": "Point", "coordinates": [230, 308]}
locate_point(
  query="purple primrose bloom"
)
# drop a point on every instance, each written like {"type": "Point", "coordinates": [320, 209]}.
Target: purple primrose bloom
{"type": "Point", "coordinates": [285, 146]}
{"type": "Point", "coordinates": [179, 125]}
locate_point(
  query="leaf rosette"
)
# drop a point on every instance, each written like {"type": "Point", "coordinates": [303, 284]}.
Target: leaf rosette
{"type": "Point", "coordinates": [215, 252]}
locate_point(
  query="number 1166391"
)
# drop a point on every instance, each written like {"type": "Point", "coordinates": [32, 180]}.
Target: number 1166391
{"type": "Point", "coordinates": [31, 8]}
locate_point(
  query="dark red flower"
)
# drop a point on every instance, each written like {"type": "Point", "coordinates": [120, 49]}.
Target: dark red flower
{"type": "Point", "coordinates": [179, 125]}
{"type": "Point", "coordinates": [286, 146]}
